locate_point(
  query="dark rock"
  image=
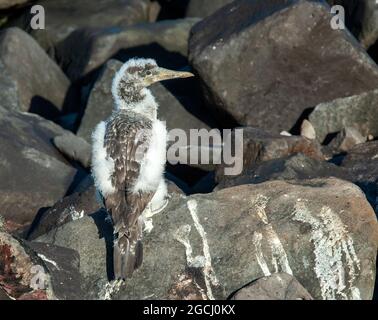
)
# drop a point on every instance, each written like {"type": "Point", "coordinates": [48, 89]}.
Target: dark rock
{"type": "Point", "coordinates": [278, 286]}
{"type": "Point", "coordinates": [38, 86]}
{"type": "Point", "coordinates": [70, 208]}
{"type": "Point", "coordinates": [259, 146]}
{"type": "Point", "coordinates": [65, 16]}
{"type": "Point", "coordinates": [361, 19]}
{"type": "Point", "coordinates": [294, 167]}
{"type": "Point", "coordinates": [74, 148]}
{"type": "Point", "coordinates": [267, 63]}
{"type": "Point", "coordinates": [200, 8]}
{"type": "Point", "coordinates": [346, 140]}
{"type": "Point", "coordinates": [33, 174]}
{"type": "Point", "coordinates": [100, 105]}
{"type": "Point", "coordinates": [86, 50]}
{"type": "Point", "coordinates": [358, 111]}
{"type": "Point", "coordinates": [321, 231]}
{"type": "Point", "coordinates": [63, 266]}
{"type": "Point", "coordinates": [362, 163]}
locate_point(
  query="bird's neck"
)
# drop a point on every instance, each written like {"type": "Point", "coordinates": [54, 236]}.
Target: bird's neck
{"type": "Point", "coordinates": [138, 100]}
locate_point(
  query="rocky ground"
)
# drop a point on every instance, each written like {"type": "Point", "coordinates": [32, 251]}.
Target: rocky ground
{"type": "Point", "coordinates": [299, 221]}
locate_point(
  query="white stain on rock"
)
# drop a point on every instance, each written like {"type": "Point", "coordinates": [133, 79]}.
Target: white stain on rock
{"type": "Point", "coordinates": [44, 258]}
{"type": "Point", "coordinates": [336, 263]}
{"type": "Point", "coordinates": [75, 215]}
{"type": "Point", "coordinates": [280, 261]}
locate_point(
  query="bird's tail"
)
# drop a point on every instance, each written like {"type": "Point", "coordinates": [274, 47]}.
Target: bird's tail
{"type": "Point", "coordinates": [128, 252]}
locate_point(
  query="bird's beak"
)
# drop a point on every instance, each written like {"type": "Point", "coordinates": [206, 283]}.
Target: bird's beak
{"type": "Point", "coordinates": [165, 74]}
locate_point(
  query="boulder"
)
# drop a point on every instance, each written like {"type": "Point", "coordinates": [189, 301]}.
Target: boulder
{"type": "Point", "coordinates": [38, 86]}
{"type": "Point", "coordinates": [65, 16]}
{"type": "Point", "coordinates": [278, 286]}
{"type": "Point", "coordinates": [258, 146]}
{"type": "Point", "coordinates": [100, 105]}
{"type": "Point", "coordinates": [346, 139]}
{"type": "Point", "coordinates": [87, 49]}
{"type": "Point", "coordinates": [362, 163]}
{"type": "Point", "coordinates": [361, 19]}
{"type": "Point", "coordinates": [37, 271]}
{"type": "Point", "coordinates": [267, 63]}
{"type": "Point", "coordinates": [358, 111]}
{"type": "Point", "coordinates": [33, 174]}
{"type": "Point", "coordinates": [321, 231]}
{"type": "Point", "coordinates": [200, 8]}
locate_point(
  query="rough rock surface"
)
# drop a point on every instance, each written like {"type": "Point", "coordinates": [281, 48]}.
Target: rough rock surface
{"type": "Point", "coordinates": [362, 163]}
{"type": "Point", "coordinates": [361, 19]}
{"type": "Point", "coordinates": [85, 50]}
{"type": "Point", "coordinates": [278, 286]}
{"type": "Point", "coordinates": [200, 8]}
{"type": "Point", "coordinates": [37, 85]}
{"type": "Point", "coordinates": [74, 148]}
{"type": "Point", "coordinates": [265, 63]}
{"type": "Point", "coordinates": [259, 145]}
{"type": "Point", "coordinates": [321, 231]}
{"type": "Point", "coordinates": [33, 174]}
{"type": "Point", "coordinates": [358, 111]}
{"type": "Point", "coordinates": [66, 16]}
{"type": "Point", "coordinates": [100, 105]}
{"type": "Point", "coordinates": [346, 139]}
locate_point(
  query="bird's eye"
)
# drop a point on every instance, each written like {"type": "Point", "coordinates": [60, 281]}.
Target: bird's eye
{"type": "Point", "coordinates": [148, 73]}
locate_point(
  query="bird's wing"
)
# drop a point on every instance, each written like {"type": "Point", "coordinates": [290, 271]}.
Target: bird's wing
{"type": "Point", "coordinates": [126, 143]}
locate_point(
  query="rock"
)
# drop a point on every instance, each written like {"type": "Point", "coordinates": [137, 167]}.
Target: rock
{"type": "Point", "coordinates": [266, 63]}
{"type": "Point", "coordinates": [37, 271]}
{"type": "Point", "coordinates": [362, 162]}
{"type": "Point", "coordinates": [307, 130]}
{"type": "Point", "coordinates": [100, 105]}
{"type": "Point", "coordinates": [63, 267]}
{"type": "Point", "coordinates": [259, 146]}
{"type": "Point", "coordinates": [361, 19]}
{"type": "Point", "coordinates": [346, 140]}
{"type": "Point", "coordinates": [23, 275]}
{"type": "Point", "coordinates": [293, 167]}
{"type": "Point", "coordinates": [65, 16]}
{"type": "Point", "coordinates": [88, 240]}
{"type": "Point", "coordinates": [278, 286]}
{"type": "Point", "coordinates": [322, 231]}
{"type": "Point", "coordinates": [74, 148]}
{"type": "Point", "coordinates": [6, 4]}
{"type": "Point", "coordinates": [70, 208]}
{"type": "Point", "coordinates": [39, 86]}
{"type": "Point", "coordinates": [199, 8]}
{"type": "Point", "coordinates": [33, 175]}
{"type": "Point", "coordinates": [358, 111]}
{"type": "Point", "coordinates": [87, 49]}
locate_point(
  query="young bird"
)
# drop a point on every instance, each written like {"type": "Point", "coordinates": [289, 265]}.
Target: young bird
{"type": "Point", "coordinates": [128, 158]}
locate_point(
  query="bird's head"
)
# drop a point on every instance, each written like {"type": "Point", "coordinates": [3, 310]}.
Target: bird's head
{"type": "Point", "coordinates": [130, 82]}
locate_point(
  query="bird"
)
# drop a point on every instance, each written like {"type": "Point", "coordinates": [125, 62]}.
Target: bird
{"type": "Point", "coordinates": [129, 157]}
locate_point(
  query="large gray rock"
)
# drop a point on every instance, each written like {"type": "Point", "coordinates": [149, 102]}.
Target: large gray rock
{"type": "Point", "coordinates": [65, 16]}
{"type": "Point", "coordinates": [265, 63]}
{"type": "Point", "coordinates": [100, 105]}
{"type": "Point", "coordinates": [29, 79]}
{"type": "Point", "coordinates": [278, 286]}
{"type": "Point", "coordinates": [33, 174]}
{"type": "Point", "coordinates": [321, 231]}
{"type": "Point", "coordinates": [200, 8]}
{"type": "Point", "coordinates": [85, 50]}
{"type": "Point", "coordinates": [358, 111]}
{"type": "Point", "coordinates": [361, 19]}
